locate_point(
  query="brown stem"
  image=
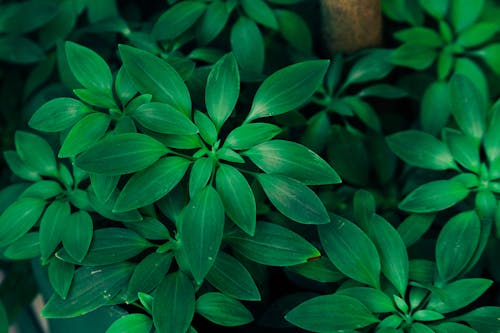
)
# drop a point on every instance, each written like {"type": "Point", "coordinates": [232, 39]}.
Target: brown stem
{"type": "Point", "coordinates": [351, 25]}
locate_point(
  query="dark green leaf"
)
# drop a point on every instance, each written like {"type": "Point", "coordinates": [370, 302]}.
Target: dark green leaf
{"type": "Point", "coordinates": [151, 184]}
{"type": "Point", "coordinates": [318, 269]}
{"type": "Point", "coordinates": [19, 50]}
{"type": "Point", "coordinates": [260, 12]}
{"type": "Point", "coordinates": [422, 270]}
{"type": "Point", "coordinates": [457, 294]}
{"type": "Point", "coordinates": [26, 247]}
{"type": "Point", "coordinates": [414, 227]}
{"type": "Point", "coordinates": [43, 189]}
{"type": "Point", "coordinates": [453, 328]}
{"type": "Point", "coordinates": [25, 16]}
{"type": "Point", "coordinates": [105, 208]}
{"type": "Point", "coordinates": [247, 44]}
{"type": "Point", "coordinates": [287, 89]}
{"type": "Point", "coordinates": [223, 310]}
{"type": "Point", "coordinates": [36, 153]}
{"type": "Point", "coordinates": [420, 328]}
{"type": "Point", "coordinates": [293, 199]}
{"type": "Point", "coordinates": [60, 276]}
{"type": "Point", "coordinates": [478, 34]}
{"type": "Point", "coordinates": [427, 315]}
{"type": "Point", "coordinates": [164, 118]}
{"type": "Point", "coordinates": [383, 91]}
{"type": "Point", "coordinates": [152, 75]}
{"type": "Point", "coordinates": [435, 109]}
{"type": "Point", "coordinates": [124, 87]}
{"type": "Point", "coordinates": [463, 148]}
{"type": "Point", "coordinates": [344, 313]}
{"type": "Point", "coordinates": [249, 135]}
{"type": "Point", "coordinates": [437, 9]}
{"type": "Point", "coordinates": [174, 304]}
{"type": "Point", "coordinates": [292, 160]}
{"type": "Point", "coordinates": [273, 245]}
{"type": "Point", "coordinates": [132, 323]}
{"type": "Point", "coordinates": [456, 244]}
{"type": "Point", "coordinates": [419, 36]}
{"type": "Point", "coordinates": [350, 250]}
{"type": "Point", "coordinates": [464, 13]}
{"type": "Point", "coordinates": [212, 22]}
{"type": "Point", "coordinates": [434, 196]}
{"type": "Point", "coordinates": [414, 56]}
{"type": "Point", "coordinates": [177, 19]}
{"type": "Point", "coordinates": [148, 274]}
{"type": "Point", "coordinates": [78, 235]}
{"type": "Point", "coordinates": [19, 218]}
{"type": "Point", "coordinates": [121, 154]}
{"type": "Point", "coordinates": [19, 168]}
{"type": "Point", "coordinates": [95, 98]}
{"type": "Point", "coordinates": [103, 186]}
{"type": "Point", "coordinates": [375, 300]}
{"type": "Point", "coordinates": [150, 228]}
{"type": "Point", "coordinates": [483, 319]}
{"type": "Point", "coordinates": [92, 288]}
{"type": "Point", "coordinates": [371, 67]}
{"type": "Point", "coordinates": [58, 114]}
{"type": "Point", "coordinates": [52, 227]}
{"type": "Point", "coordinates": [200, 231]}
{"type": "Point", "coordinates": [294, 30]}
{"type": "Point", "coordinates": [490, 55]}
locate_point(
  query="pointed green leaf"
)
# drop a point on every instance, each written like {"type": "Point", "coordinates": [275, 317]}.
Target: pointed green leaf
{"type": "Point", "coordinates": [43, 189]}
{"type": "Point", "coordinates": [453, 328]}
{"type": "Point", "coordinates": [414, 56]}
{"type": "Point", "coordinates": [132, 323]}
{"type": "Point", "coordinates": [478, 34]}
{"type": "Point", "coordinates": [150, 228]}
{"type": "Point", "coordinates": [78, 234]}
{"type": "Point", "coordinates": [89, 68]}
{"type": "Point", "coordinates": [420, 328]}
{"type": "Point", "coordinates": [435, 109]}
{"type": "Point", "coordinates": [200, 175]}
{"type": "Point", "coordinates": [124, 87]}
{"type": "Point", "coordinates": [344, 313]}
{"type": "Point", "coordinates": [52, 227]}
{"type": "Point", "coordinates": [223, 310]}
{"type": "Point", "coordinates": [174, 304]}
{"type": "Point", "coordinates": [287, 89]}
{"type": "Point", "coordinates": [19, 218]}
{"type": "Point", "coordinates": [422, 270]}
{"type": "Point", "coordinates": [60, 276]}
{"type": "Point", "coordinates": [457, 294]}
{"type": "Point", "coordinates": [151, 184]}
{"type": "Point", "coordinates": [223, 89]}
{"type": "Point", "coordinates": [92, 288]}
{"type": "Point", "coordinates": [164, 118]}
{"type": "Point", "coordinates": [148, 274]}
{"type": "Point", "coordinates": [437, 9]}
{"type": "Point", "coordinates": [19, 168]}
{"type": "Point", "coordinates": [249, 135]}
{"type": "Point", "coordinates": [177, 19]}
{"type": "Point", "coordinates": [36, 153]}
{"type": "Point", "coordinates": [430, 153]}
{"type": "Point", "coordinates": [483, 319]}
{"type": "Point", "coordinates": [294, 199]}
{"type": "Point", "coordinates": [229, 276]}
{"type": "Point", "coordinates": [247, 44]}
{"type": "Point", "coordinates": [237, 197]}
{"type": "Point", "coordinates": [103, 186]}
{"type": "Point", "coordinates": [489, 55]}
{"type": "Point", "coordinates": [434, 196]}
{"type": "Point", "coordinates": [207, 128]}
{"type": "Point", "coordinates": [260, 12]}
{"type": "Point", "coordinates": [414, 227]}
{"type": "Point", "coordinates": [318, 269]}
{"type": "Point", "coordinates": [26, 247]}
{"type": "Point", "coordinates": [121, 154]}
{"type": "Point", "coordinates": [375, 300]}
{"type": "Point", "coordinates": [373, 66]}
{"type": "Point", "coordinates": [463, 148]}
{"type": "Point", "coordinates": [427, 315]}
{"type": "Point", "coordinates": [464, 13]}
{"type": "Point", "coordinates": [294, 29]}
{"type": "Point", "coordinates": [58, 114]}
{"type": "Point", "coordinates": [19, 50]}
{"type": "Point", "coordinates": [200, 231]}
{"type": "Point", "coordinates": [106, 209]}
{"type": "Point", "coordinates": [152, 75]}
{"type": "Point", "coordinates": [293, 160]}
{"type": "Point", "coordinates": [456, 244]}
{"type": "Point", "coordinates": [350, 250]}
{"type": "Point", "coordinates": [212, 22]}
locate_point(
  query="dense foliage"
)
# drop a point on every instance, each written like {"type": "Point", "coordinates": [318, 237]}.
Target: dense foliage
{"type": "Point", "coordinates": [201, 164]}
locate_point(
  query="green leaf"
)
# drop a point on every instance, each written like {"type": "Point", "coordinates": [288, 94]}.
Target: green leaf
{"type": "Point", "coordinates": [464, 13]}
{"type": "Point", "coordinates": [121, 154]}
{"type": "Point", "coordinates": [473, 71]}
{"type": "Point", "coordinates": [350, 250]}
{"type": "Point", "coordinates": [26, 247]}
{"type": "Point", "coordinates": [392, 251]}
{"type": "Point", "coordinates": [110, 246]}
{"type": "Point", "coordinates": [457, 294]}
{"type": "Point", "coordinates": [383, 91]}
{"type": "Point", "coordinates": [293, 199]}
{"type": "Point", "coordinates": [463, 148]}
{"type": "Point", "coordinates": [174, 304]}
{"type": "Point", "coordinates": [294, 29]}
{"type": "Point", "coordinates": [212, 22]}
{"type": "Point", "coordinates": [229, 276]}
{"type": "Point", "coordinates": [19, 50]}
{"type": "Point", "coordinates": [177, 19]}
{"type": "Point", "coordinates": [105, 208]}
{"type": "Point", "coordinates": [95, 98]}
{"type": "Point", "coordinates": [229, 155]}
{"type": "Point", "coordinates": [364, 207]}
{"type": "Point", "coordinates": [60, 276]}
{"type": "Point", "coordinates": [435, 109]}
{"type": "Point", "coordinates": [200, 175]}
{"type": "Point", "coordinates": [414, 227]}
{"type": "Point", "coordinates": [272, 245]}
{"type": "Point", "coordinates": [489, 54]}
{"type": "Point", "coordinates": [26, 16]}
{"type": "Point", "coordinates": [200, 231]}
{"type": "Point", "coordinates": [419, 36]}
{"type": "Point", "coordinates": [152, 184]}
{"type": "Point", "coordinates": [103, 186]}
{"type": "Point", "coordinates": [223, 310]}
{"type": "Point", "coordinates": [371, 67]}
{"type": "Point", "coordinates": [124, 87]}
{"type": "Point", "coordinates": [422, 270]}
{"type": "Point", "coordinates": [420, 328]}
{"type": "Point", "coordinates": [148, 274]}
{"type": "Point", "coordinates": [92, 288]}
{"type": "Point", "coordinates": [456, 244]}
{"type": "Point", "coordinates": [478, 34]}
{"type": "Point", "coordinates": [52, 227]}
{"type": "Point", "coordinates": [19, 168]}
{"type": "Point", "coordinates": [260, 12]}
{"type": "Point", "coordinates": [414, 56]}
{"type": "Point", "coordinates": [58, 114]}
{"type": "Point", "coordinates": [318, 269]}
{"type": "Point", "coordinates": [223, 89]}
{"type": "Point", "coordinates": [344, 313]}
{"type": "Point", "coordinates": [468, 106]}
{"type": "Point", "coordinates": [434, 196]}
{"type": "Point", "coordinates": [483, 319]}
{"type": "Point", "coordinates": [292, 160]}
{"type": "Point", "coordinates": [150, 228]}
{"type": "Point", "coordinates": [430, 153]}
{"type": "Point", "coordinates": [237, 197]}
{"type": "Point", "coordinates": [132, 323]}
{"type": "Point", "coordinates": [247, 44]}
{"type": "Point", "coordinates": [453, 328]}
{"type": "Point", "coordinates": [375, 300]}
{"type": "Point", "coordinates": [249, 135]}
{"type": "Point", "coordinates": [164, 118]}
{"type": "Point", "coordinates": [89, 68]}
{"type": "Point", "coordinates": [436, 9]}
{"type": "Point", "coordinates": [36, 153]}
{"type": "Point", "coordinates": [287, 89]}
{"type": "Point", "coordinates": [19, 218]}
{"type": "Point", "coordinates": [152, 75]}
{"type": "Point", "coordinates": [78, 234]}
{"type": "Point", "coordinates": [84, 133]}
{"type": "Point", "coordinates": [427, 315]}
{"type": "Point", "coordinates": [206, 127]}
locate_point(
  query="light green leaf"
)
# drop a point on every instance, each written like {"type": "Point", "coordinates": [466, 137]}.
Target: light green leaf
{"type": "Point", "coordinates": [207, 128]}
{"type": "Point", "coordinates": [58, 114]}
{"type": "Point", "coordinates": [292, 160]}
{"type": "Point", "coordinates": [436, 9]}
{"type": "Point", "coordinates": [60, 276]}
{"type": "Point", "coordinates": [483, 319]}
{"type": "Point", "coordinates": [419, 36]}
{"type": "Point", "coordinates": [456, 244]}
{"type": "Point", "coordinates": [223, 310]}
{"type": "Point", "coordinates": [164, 118]}
{"type": "Point", "coordinates": [414, 56]}
{"type": "Point", "coordinates": [223, 89]}
{"type": "Point", "coordinates": [464, 13]}
{"type": "Point", "coordinates": [52, 227]}
{"type": "Point", "coordinates": [148, 274]}
{"type": "Point", "coordinates": [427, 315]}
{"type": "Point", "coordinates": [19, 218]}
{"type": "Point", "coordinates": [132, 323]}
{"type": "Point", "coordinates": [373, 66]}
{"type": "Point", "coordinates": [287, 89]}
{"type": "Point", "coordinates": [103, 186]}
{"type": "Point", "coordinates": [478, 34]}
{"type": "Point", "coordinates": [36, 153]}
{"type": "Point", "coordinates": [121, 154]}
{"type": "Point", "coordinates": [293, 199]}
{"type": "Point", "coordinates": [490, 55]}
{"type": "Point", "coordinates": [19, 168]}
{"type": "Point", "coordinates": [174, 304]}
{"type": "Point", "coordinates": [375, 300]}
{"type": "Point", "coordinates": [237, 197]}
{"type": "Point", "coordinates": [457, 294]}
{"type": "Point", "coordinates": [247, 44]}
{"type": "Point", "coordinates": [200, 175]}
{"type": "Point", "coordinates": [272, 245]}
{"type": "Point", "coordinates": [124, 87]}
{"type": "Point", "coordinates": [463, 148]}
{"type": "Point", "coordinates": [26, 247]}
{"type": "Point", "coordinates": [344, 313]}
{"type": "Point", "coordinates": [177, 19]}
{"type": "Point", "coordinates": [434, 196]}
{"type": "Point", "coordinates": [249, 135]}
{"type": "Point", "coordinates": [350, 250]}
{"type": "Point", "coordinates": [200, 231]}
{"type": "Point", "coordinates": [318, 269]}
{"type": "Point", "coordinates": [453, 328]}
{"type": "Point", "coordinates": [78, 234]}
{"type": "Point", "coordinates": [150, 185]}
